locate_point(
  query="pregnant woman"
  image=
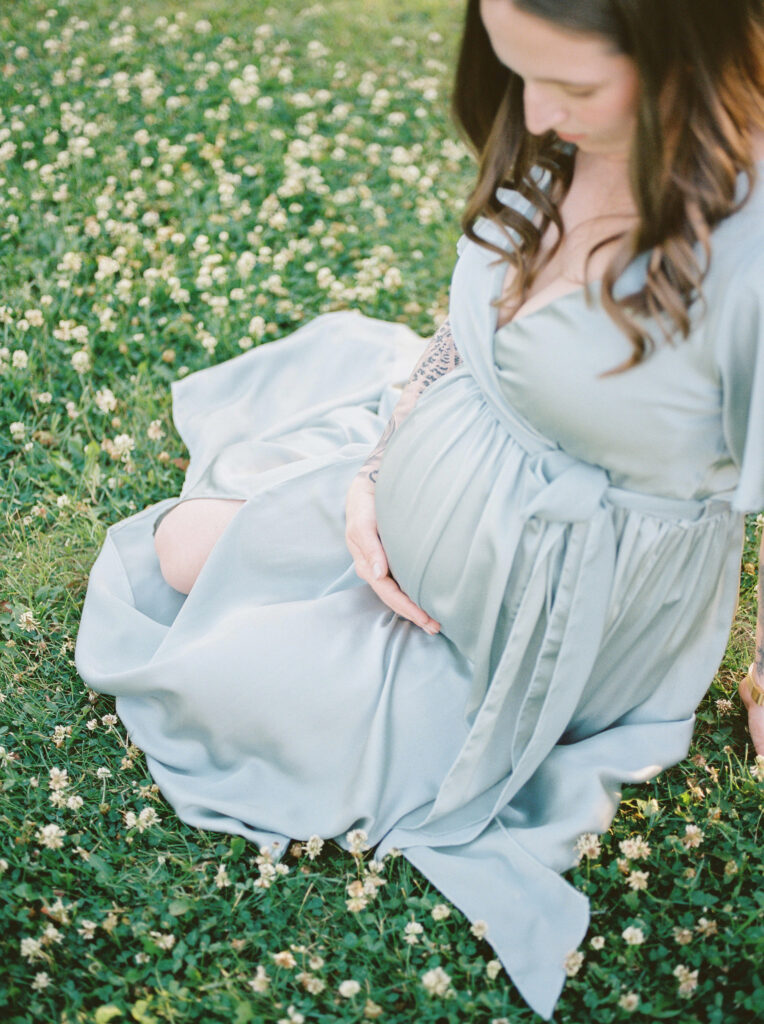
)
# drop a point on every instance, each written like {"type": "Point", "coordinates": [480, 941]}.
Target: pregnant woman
{"type": "Point", "coordinates": [466, 641]}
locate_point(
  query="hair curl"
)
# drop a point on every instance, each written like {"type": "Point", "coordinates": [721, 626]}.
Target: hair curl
{"type": "Point", "coordinates": [700, 57]}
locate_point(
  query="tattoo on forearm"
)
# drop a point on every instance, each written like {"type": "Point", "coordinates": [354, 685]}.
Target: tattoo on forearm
{"type": "Point", "coordinates": [438, 358]}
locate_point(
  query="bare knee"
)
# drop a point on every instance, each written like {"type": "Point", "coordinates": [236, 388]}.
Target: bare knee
{"type": "Point", "coordinates": [187, 535]}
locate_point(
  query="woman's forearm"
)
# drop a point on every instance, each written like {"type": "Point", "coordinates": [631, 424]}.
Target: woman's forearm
{"type": "Point", "coordinates": [759, 658]}
{"type": "Point", "coordinates": [438, 358]}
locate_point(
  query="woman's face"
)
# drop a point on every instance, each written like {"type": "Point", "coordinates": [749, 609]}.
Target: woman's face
{"type": "Point", "coordinates": [575, 84]}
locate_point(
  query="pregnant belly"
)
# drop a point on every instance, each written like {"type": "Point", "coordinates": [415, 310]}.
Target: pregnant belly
{"type": "Point", "coordinates": [447, 484]}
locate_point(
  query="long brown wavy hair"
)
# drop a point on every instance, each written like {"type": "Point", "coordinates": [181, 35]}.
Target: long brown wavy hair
{"type": "Point", "coordinates": [701, 72]}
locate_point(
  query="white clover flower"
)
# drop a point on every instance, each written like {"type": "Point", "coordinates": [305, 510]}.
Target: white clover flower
{"type": "Point", "coordinates": [155, 431]}
{"type": "Point", "coordinates": [103, 772]}
{"type": "Point", "coordinates": [493, 969]}
{"type": "Point", "coordinates": [164, 940]}
{"type": "Point", "coordinates": [19, 359]}
{"type": "Point", "coordinates": [50, 836]}
{"type": "Point", "coordinates": [573, 963]}
{"type": "Point", "coordinates": [693, 837]}
{"type": "Point", "coordinates": [349, 988]}
{"type": "Point", "coordinates": [682, 936]}
{"type": "Point", "coordinates": [59, 778]}
{"type": "Point", "coordinates": [757, 769]}
{"type": "Point", "coordinates": [597, 942]}
{"type": "Point", "coordinates": [629, 1001]}
{"type": "Point", "coordinates": [357, 839]}
{"type": "Point", "coordinates": [41, 981]}
{"type": "Point", "coordinates": [688, 980]}
{"type": "Point", "coordinates": [260, 982]}
{"type": "Point", "coordinates": [31, 948]}
{"type": "Point", "coordinates": [479, 929]}
{"type": "Point", "coordinates": [284, 959]}
{"type": "Point", "coordinates": [637, 880]}
{"type": "Point", "coordinates": [440, 912]}
{"type": "Point", "coordinates": [81, 361]}
{"type": "Point", "coordinates": [221, 877]}
{"type": "Point", "coordinates": [3, 865]}
{"type": "Point", "coordinates": [27, 621]}
{"type": "Point", "coordinates": [105, 400]}
{"type": "Point", "coordinates": [87, 929]}
{"type": "Point", "coordinates": [17, 430]}
{"type": "Point", "coordinates": [436, 982]}
{"type": "Point", "coordinates": [635, 848]}
{"type": "Point", "coordinates": [74, 803]}
{"type": "Point", "coordinates": [633, 936]}
{"type": "Point", "coordinates": [588, 845]}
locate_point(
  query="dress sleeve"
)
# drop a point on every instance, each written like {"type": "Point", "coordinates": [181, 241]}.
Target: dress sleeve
{"type": "Point", "coordinates": [740, 356]}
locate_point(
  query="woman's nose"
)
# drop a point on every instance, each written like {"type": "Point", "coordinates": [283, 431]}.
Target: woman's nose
{"type": "Point", "coordinates": [542, 112]}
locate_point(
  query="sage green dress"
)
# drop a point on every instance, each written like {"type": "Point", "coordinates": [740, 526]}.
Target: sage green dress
{"type": "Point", "coordinates": [577, 536]}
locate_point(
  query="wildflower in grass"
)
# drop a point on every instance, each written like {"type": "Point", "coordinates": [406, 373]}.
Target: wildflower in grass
{"type": "Point", "coordinates": [597, 941]}
{"type": "Point", "coordinates": [436, 982]}
{"type": "Point", "coordinates": [411, 932]}
{"type": "Point", "coordinates": [357, 839]}
{"type": "Point", "coordinates": [71, 410]}
{"type": "Point", "coordinates": [634, 848]}
{"type": "Point", "coordinates": [105, 400]}
{"type": "Point", "coordinates": [221, 877]}
{"type": "Point", "coordinates": [19, 359]}
{"type": "Point", "coordinates": [109, 719]}
{"type": "Point", "coordinates": [284, 959]}
{"type": "Point", "coordinates": [3, 865]}
{"type": "Point", "coordinates": [260, 982]}
{"type": "Point", "coordinates": [479, 929]}
{"type": "Point", "coordinates": [588, 846]}
{"type": "Point", "coordinates": [58, 779]}
{"type": "Point", "coordinates": [92, 724]}
{"type": "Point", "coordinates": [724, 706]}
{"type": "Point", "coordinates": [87, 929]}
{"type": "Point", "coordinates": [164, 940]}
{"type": "Point", "coordinates": [141, 958]}
{"type": "Point", "coordinates": [155, 431]}
{"type": "Point", "coordinates": [629, 1001]}
{"type": "Point", "coordinates": [637, 880]}
{"type": "Point", "coordinates": [493, 969]}
{"type": "Point", "coordinates": [688, 980]}
{"type": "Point", "coordinates": [51, 934]}
{"type": "Point", "coordinates": [34, 317]}
{"type": "Point", "coordinates": [757, 769]}
{"type": "Point", "coordinates": [63, 501]}
{"type": "Point", "coordinates": [706, 927]}
{"type": "Point", "coordinates": [682, 936]}
{"type": "Point", "coordinates": [730, 869]}
{"type": "Point", "coordinates": [50, 836]}
{"type": "Point", "coordinates": [633, 936]}
{"type": "Point", "coordinates": [573, 963]}
{"type": "Point", "coordinates": [693, 837]}
{"type": "Point", "coordinates": [372, 1010]}
{"type": "Point", "coordinates": [349, 988]}
{"type": "Point", "coordinates": [41, 981]}
{"type": "Point", "coordinates": [74, 802]}
{"type": "Point", "coordinates": [43, 397]}
{"type": "Point", "coordinates": [440, 911]}
{"type": "Point", "coordinates": [81, 361]}
{"type": "Point", "coordinates": [31, 948]}
{"type": "Point", "coordinates": [311, 983]}
{"type": "Point", "coordinates": [61, 733]}
{"type": "Point", "coordinates": [27, 621]}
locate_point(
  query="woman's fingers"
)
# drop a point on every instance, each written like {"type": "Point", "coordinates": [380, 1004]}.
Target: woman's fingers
{"type": "Point", "coordinates": [392, 595]}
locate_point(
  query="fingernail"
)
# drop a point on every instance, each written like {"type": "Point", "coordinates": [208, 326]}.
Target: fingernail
{"type": "Point", "coordinates": [377, 570]}
{"type": "Point", "coordinates": [430, 629]}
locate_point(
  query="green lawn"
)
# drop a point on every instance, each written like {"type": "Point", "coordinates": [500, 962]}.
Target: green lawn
{"type": "Point", "coordinates": [142, 155]}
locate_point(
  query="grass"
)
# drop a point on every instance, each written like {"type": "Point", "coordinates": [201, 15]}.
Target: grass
{"type": "Point", "coordinates": [123, 917]}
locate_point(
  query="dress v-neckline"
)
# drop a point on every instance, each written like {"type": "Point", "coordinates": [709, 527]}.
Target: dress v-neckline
{"type": "Point", "coordinates": [555, 300]}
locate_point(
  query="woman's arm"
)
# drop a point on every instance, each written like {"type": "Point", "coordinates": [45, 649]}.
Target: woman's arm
{"type": "Point", "coordinates": [438, 358]}
{"type": "Point", "coordinates": [361, 535]}
{"type": "Point", "coordinates": [752, 687]}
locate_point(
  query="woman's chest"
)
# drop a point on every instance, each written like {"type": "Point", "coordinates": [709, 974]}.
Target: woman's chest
{"type": "Point", "coordinates": [654, 427]}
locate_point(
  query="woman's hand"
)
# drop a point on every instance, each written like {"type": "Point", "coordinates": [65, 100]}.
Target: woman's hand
{"type": "Point", "coordinates": [369, 557]}
{"type": "Point", "coordinates": [755, 711]}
